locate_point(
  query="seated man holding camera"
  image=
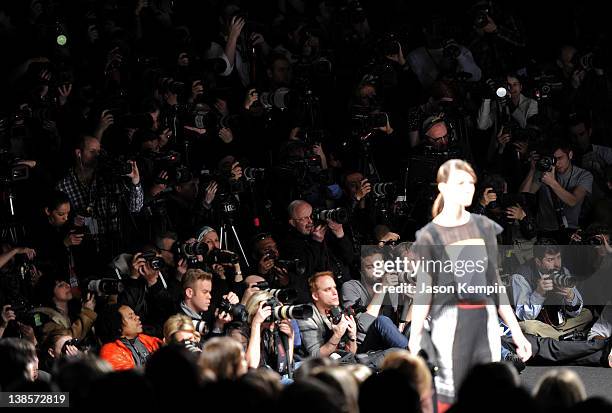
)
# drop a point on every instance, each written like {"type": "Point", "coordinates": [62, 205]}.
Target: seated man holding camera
{"type": "Point", "coordinates": [560, 188]}
{"type": "Point", "coordinates": [269, 265]}
{"type": "Point", "coordinates": [320, 336]}
{"type": "Point", "coordinates": [376, 329]}
{"type": "Point", "coordinates": [546, 301]}
{"type": "Point", "coordinates": [197, 289]}
{"type": "Point", "coordinates": [312, 245]}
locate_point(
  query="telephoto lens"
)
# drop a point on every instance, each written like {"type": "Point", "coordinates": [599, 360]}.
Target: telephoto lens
{"type": "Point", "coordinates": [195, 248]}
{"type": "Point", "coordinates": [105, 286]}
{"type": "Point", "coordinates": [563, 280]}
{"type": "Point", "coordinates": [339, 215]}
{"type": "Point", "coordinates": [292, 312]}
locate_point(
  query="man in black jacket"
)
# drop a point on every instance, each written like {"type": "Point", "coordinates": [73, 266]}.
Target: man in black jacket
{"type": "Point", "coordinates": [317, 249]}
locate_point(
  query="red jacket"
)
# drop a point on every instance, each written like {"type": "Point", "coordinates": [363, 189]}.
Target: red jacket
{"type": "Point", "coordinates": [120, 357]}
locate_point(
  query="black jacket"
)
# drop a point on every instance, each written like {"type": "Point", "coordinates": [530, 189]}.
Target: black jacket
{"type": "Point", "coordinates": [333, 254]}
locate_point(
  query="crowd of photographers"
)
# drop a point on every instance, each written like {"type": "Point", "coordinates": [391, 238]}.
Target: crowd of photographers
{"type": "Point", "coordinates": [190, 185]}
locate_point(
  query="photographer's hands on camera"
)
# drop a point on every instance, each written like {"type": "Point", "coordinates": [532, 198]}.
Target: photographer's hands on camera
{"type": "Point", "coordinates": [141, 268]}
{"type": "Point", "coordinates": [347, 324]}
{"type": "Point", "coordinates": [318, 233]}
{"type": "Point", "coordinates": [221, 317]}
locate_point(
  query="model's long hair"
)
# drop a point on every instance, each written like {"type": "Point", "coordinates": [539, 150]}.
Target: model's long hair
{"type": "Point", "coordinates": [443, 173]}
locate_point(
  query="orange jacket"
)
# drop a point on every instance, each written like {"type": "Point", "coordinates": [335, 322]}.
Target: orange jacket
{"type": "Point", "coordinates": [120, 357]}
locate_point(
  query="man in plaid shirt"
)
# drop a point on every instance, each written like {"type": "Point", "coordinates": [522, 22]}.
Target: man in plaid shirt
{"type": "Point", "coordinates": [95, 199]}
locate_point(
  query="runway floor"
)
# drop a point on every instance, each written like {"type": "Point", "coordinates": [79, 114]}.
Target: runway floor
{"type": "Point", "coordinates": [597, 380]}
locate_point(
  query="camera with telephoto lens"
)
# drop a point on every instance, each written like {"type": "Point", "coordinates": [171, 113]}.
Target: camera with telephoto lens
{"type": "Point", "coordinates": [284, 295]}
{"type": "Point", "coordinates": [237, 311]}
{"type": "Point", "coordinates": [339, 215]}
{"type": "Point", "coordinates": [336, 313]}
{"type": "Point", "coordinates": [546, 163]}
{"type": "Point", "coordinates": [190, 249]}
{"type": "Point", "coordinates": [562, 280]}
{"type": "Point", "coordinates": [222, 257]}
{"type": "Point", "coordinates": [155, 262]}
{"type": "Point", "coordinates": [105, 286]}
{"type": "Point", "coordinates": [288, 312]}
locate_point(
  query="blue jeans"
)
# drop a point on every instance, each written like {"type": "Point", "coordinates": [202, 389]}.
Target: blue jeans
{"type": "Point", "coordinates": [383, 334]}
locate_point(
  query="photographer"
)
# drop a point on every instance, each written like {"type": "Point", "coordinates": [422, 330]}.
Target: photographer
{"type": "Point", "coordinates": [503, 115]}
{"type": "Point", "coordinates": [61, 312]}
{"type": "Point", "coordinates": [97, 195]}
{"type": "Point", "coordinates": [508, 211]}
{"type": "Point", "coordinates": [54, 237]}
{"type": "Point", "coordinates": [265, 251]}
{"type": "Point", "coordinates": [179, 329]}
{"type": "Point", "coordinates": [544, 302]}
{"type": "Point", "coordinates": [440, 56]}
{"type": "Point", "coordinates": [124, 345]}
{"type": "Point", "coordinates": [196, 303]}
{"type": "Point", "coordinates": [316, 249]}
{"type": "Point", "coordinates": [320, 337]}
{"type": "Point", "coordinates": [560, 188]}
{"type": "Point", "coordinates": [266, 346]}
{"type": "Point", "coordinates": [593, 158]}
{"type": "Point", "coordinates": [376, 328]}
{"type": "Point", "coordinates": [146, 291]}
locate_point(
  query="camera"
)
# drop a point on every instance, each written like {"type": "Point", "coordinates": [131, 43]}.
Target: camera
{"type": "Point", "coordinates": [288, 312]}
{"type": "Point", "coordinates": [105, 286]}
{"type": "Point", "coordinates": [339, 215]}
{"type": "Point", "coordinates": [546, 163]}
{"type": "Point", "coordinates": [369, 121]}
{"type": "Point", "coordinates": [589, 238]}
{"type": "Point", "coordinates": [10, 169]}
{"type": "Point", "coordinates": [336, 313]}
{"type": "Point", "coordinates": [294, 266]}
{"type": "Point", "coordinates": [237, 311]}
{"type": "Point", "coordinates": [156, 263]}
{"type": "Point", "coordinates": [222, 257]}
{"type": "Point", "coordinates": [253, 174]}
{"type": "Point", "coordinates": [280, 99]}
{"type": "Point", "coordinates": [561, 280]}
{"type": "Point", "coordinates": [383, 189]}
{"type": "Point", "coordinates": [192, 249]}
{"type": "Point", "coordinates": [451, 49]}
{"type": "Point", "coordinates": [73, 342]}
{"type": "Point", "coordinates": [169, 85]}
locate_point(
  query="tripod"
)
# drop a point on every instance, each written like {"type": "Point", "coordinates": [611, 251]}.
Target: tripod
{"type": "Point", "coordinates": [11, 229]}
{"type": "Point", "coordinates": [228, 229]}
